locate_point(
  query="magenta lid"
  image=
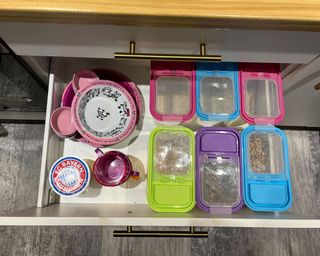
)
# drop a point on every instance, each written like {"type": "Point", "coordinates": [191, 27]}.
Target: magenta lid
{"type": "Point", "coordinates": [172, 91]}
{"type": "Point", "coordinates": [261, 93]}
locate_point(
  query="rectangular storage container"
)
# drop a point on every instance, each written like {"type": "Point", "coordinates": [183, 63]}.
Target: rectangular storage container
{"type": "Point", "coordinates": [266, 170]}
{"type": "Point", "coordinates": [218, 170]}
{"type": "Point", "coordinates": [171, 182]}
{"type": "Point", "coordinates": [261, 93]}
{"type": "Point", "coordinates": [172, 91]}
{"type": "Point", "coordinates": [217, 91]}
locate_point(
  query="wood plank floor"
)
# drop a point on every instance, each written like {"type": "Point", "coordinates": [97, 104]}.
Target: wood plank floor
{"type": "Point", "coordinates": [20, 154]}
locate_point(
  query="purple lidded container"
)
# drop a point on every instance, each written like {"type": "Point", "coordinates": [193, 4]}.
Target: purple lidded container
{"type": "Point", "coordinates": [218, 170]}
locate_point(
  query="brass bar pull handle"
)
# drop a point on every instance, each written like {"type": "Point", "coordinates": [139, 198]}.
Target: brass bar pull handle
{"type": "Point", "coordinates": [171, 57]}
{"type": "Point", "coordinates": [131, 233]}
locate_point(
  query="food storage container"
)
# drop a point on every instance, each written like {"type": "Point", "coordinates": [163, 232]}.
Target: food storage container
{"type": "Point", "coordinates": [261, 93]}
{"type": "Point", "coordinates": [217, 92]}
{"type": "Point", "coordinates": [171, 183]}
{"type": "Point", "coordinates": [218, 170]}
{"type": "Point", "coordinates": [266, 171]}
{"type": "Point", "coordinates": [172, 91]}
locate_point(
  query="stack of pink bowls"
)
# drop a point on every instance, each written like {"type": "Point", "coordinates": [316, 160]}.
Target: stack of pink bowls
{"type": "Point", "coordinates": [99, 107]}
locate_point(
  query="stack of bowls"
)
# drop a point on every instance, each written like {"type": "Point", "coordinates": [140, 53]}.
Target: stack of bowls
{"type": "Point", "coordinates": [100, 107]}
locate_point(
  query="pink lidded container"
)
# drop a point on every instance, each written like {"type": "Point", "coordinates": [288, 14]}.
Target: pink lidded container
{"type": "Point", "coordinates": [172, 91]}
{"type": "Point", "coordinates": [261, 93]}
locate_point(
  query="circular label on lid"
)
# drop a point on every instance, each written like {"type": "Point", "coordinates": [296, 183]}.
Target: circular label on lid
{"type": "Point", "coordinates": [69, 176]}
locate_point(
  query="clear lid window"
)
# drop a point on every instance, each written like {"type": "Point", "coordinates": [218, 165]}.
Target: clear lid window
{"type": "Point", "coordinates": [217, 95]}
{"type": "Point", "coordinates": [172, 154]}
{"type": "Point", "coordinates": [261, 98]}
{"type": "Point", "coordinates": [265, 153]}
{"type": "Point", "coordinates": [220, 182]}
{"type": "Point", "coordinates": [173, 95]}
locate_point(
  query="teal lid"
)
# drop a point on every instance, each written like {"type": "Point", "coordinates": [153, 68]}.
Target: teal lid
{"type": "Point", "coordinates": [266, 170]}
{"type": "Point", "coordinates": [217, 93]}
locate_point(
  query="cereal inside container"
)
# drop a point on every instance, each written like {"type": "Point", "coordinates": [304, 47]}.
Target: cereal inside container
{"type": "Point", "coordinates": [171, 179]}
{"type": "Point", "coordinates": [265, 153]}
{"type": "Point", "coordinates": [220, 181]}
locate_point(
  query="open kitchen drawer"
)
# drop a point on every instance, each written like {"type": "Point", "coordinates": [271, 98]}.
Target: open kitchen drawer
{"type": "Point", "coordinates": [127, 204]}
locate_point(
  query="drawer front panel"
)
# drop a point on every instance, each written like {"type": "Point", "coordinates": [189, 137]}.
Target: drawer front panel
{"type": "Point", "coordinates": [101, 41]}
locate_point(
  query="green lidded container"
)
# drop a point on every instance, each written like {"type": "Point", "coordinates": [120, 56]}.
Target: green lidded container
{"type": "Point", "coordinates": [171, 178]}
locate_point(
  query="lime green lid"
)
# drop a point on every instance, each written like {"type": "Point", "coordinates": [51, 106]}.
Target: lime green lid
{"type": "Point", "coordinates": [171, 182]}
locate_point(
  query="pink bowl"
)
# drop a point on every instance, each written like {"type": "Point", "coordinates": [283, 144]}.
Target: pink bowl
{"type": "Point", "coordinates": [67, 96]}
{"type": "Point", "coordinates": [61, 122]}
{"type": "Point", "coordinates": [83, 79]}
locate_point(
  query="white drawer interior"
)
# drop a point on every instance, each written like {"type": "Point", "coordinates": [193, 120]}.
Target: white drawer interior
{"type": "Point", "coordinates": [126, 204]}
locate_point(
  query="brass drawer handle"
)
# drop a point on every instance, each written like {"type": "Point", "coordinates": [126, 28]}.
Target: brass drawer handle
{"type": "Point", "coordinates": [172, 57]}
{"type": "Point", "coordinates": [130, 233]}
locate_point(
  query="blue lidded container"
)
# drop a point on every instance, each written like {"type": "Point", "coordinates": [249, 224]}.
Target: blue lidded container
{"type": "Point", "coordinates": [266, 170]}
{"type": "Point", "coordinates": [217, 91]}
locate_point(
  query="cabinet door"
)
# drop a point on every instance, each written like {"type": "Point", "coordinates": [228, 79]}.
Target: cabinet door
{"type": "Point", "coordinates": [302, 100]}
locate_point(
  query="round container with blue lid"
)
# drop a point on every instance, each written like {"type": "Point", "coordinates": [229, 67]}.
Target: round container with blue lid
{"type": "Point", "coordinates": [69, 176]}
